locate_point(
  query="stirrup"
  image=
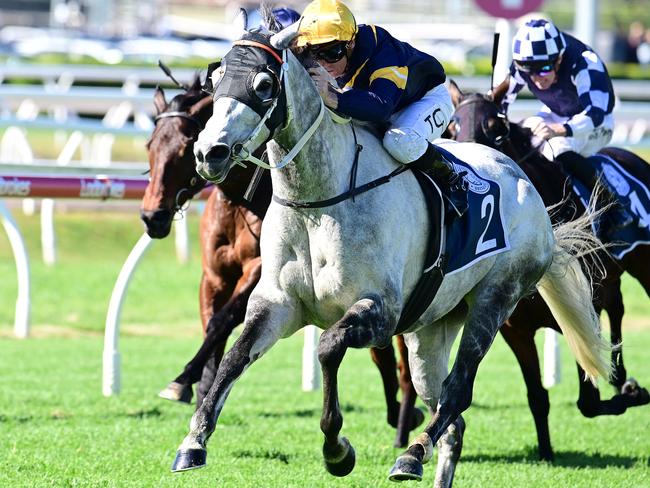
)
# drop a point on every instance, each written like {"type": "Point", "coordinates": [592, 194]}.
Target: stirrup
{"type": "Point", "coordinates": [457, 181]}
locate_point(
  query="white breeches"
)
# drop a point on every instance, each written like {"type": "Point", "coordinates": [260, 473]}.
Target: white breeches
{"type": "Point", "coordinates": [413, 127]}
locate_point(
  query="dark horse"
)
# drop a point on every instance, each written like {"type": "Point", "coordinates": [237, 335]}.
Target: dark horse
{"type": "Point", "coordinates": [229, 235]}
{"type": "Point", "coordinates": [478, 119]}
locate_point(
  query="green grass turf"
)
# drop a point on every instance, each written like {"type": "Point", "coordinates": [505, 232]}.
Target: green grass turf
{"type": "Point", "coordinates": [56, 429]}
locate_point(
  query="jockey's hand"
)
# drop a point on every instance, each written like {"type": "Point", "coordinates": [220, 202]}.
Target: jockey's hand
{"type": "Point", "coordinates": [547, 131]}
{"type": "Point", "coordinates": [327, 91]}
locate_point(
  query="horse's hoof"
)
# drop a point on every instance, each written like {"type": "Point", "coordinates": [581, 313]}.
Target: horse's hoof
{"type": "Point", "coordinates": [177, 392]}
{"type": "Point", "coordinates": [187, 459]}
{"type": "Point", "coordinates": [345, 465]}
{"type": "Point", "coordinates": [406, 468]}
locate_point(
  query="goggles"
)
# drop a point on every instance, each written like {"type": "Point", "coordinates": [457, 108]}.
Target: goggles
{"type": "Point", "coordinates": [540, 68]}
{"type": "Point", "coordinates": [331, 53]}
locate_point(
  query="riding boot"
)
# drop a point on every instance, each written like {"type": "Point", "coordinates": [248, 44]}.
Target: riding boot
{"type": "Point", "coordinates": [616, 217]}
{"type": "Point", "coordinates": [452, 184]}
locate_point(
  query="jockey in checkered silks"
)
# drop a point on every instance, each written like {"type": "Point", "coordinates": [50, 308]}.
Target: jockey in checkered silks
{"type": "Point", "coordinates": [570, 79]}
{"type": "Point", "coordinates": [382, 80]}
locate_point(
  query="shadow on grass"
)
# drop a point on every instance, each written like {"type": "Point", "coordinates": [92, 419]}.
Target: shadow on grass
{"type": "Point", "coordinates": [270, 455]}
{"type": "Point", "coordinates": [312, 412]}
{"type": "Point", "coordinates": [563, 459]}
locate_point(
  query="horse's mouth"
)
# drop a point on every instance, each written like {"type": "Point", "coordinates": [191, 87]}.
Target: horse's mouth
{"type": "Point", "coordinates": [213, 173]}
{"type": "Point", "coordinates": [157, 224]}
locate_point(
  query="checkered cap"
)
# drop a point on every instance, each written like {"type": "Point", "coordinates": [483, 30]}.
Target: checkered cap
{"type": "Point", "coordinates": [537, 40]}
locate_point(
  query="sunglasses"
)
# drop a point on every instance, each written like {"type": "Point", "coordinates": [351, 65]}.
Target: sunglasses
{"type": "Point", "coordinates": [331, 54]}
{"type": "Point", "coordinates": [543, 68]}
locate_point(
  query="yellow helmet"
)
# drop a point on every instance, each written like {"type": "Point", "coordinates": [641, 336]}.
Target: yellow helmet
{"type": "Point", "coordinates": [325, 21]}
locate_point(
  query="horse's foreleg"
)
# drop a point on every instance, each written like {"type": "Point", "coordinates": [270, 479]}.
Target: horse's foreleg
{"type": "Point", "coordinates": [521, 339]}
{"type": "Point", "coordinates": [486, 316]}
{"type": "Point", "coordinates": [213, 294]}
{"type": "Point", "coordinates": [265, 323]}
{"type": "Point", "coordinates": [362, 325]}
{"type": "Point", "coordinates": [222, 324]}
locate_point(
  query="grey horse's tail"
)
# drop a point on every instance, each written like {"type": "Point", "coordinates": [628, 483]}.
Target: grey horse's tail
{"type": "Point", "coordinates": [567, 291]}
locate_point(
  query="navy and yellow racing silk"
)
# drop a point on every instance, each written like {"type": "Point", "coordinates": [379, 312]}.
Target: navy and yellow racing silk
{"type": "Point", "coordinates": [583, 91]}
{"type": "Point", "coordinates": [384, 75]}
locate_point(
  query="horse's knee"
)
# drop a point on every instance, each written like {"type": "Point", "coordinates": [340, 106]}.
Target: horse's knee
{"type": "Point", "coordinates": [405, 144]}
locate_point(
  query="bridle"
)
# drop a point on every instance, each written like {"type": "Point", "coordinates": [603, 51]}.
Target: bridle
{"type": "Point", "coordinates": [179, 208]}
{"type": "Point", "coordinates": [243, 150]}
{"type": "Point", "coordinates": [176, 113]}
{"type": "Point", "coordinates": [499, 140]}
{"type": "Point", "coordinates": [496, 140]}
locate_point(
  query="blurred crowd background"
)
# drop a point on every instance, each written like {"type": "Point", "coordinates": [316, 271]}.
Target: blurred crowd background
{"type": "Point", "coordinates": [180, 31]}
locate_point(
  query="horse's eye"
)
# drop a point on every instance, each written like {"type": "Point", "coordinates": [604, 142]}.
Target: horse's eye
{"type": "Point", "coordinates": [263, 86]}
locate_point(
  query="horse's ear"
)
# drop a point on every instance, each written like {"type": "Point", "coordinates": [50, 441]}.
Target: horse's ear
{"type": "Point", "coordinates": [455, 92]}
{"type": "Point", "coordinates": [159, 101]}
{"type": "Point", "coordinates": [499, 92]}
{"type": "Point", "coordinates": [283, 39]}
{"type": "Point", "coordinates": [241, 21]}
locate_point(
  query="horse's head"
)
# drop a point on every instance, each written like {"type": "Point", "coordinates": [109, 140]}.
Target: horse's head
{"type": "Point", "coordinates": [477, 118]}
{"type": "Point", "coordinates": [173, 178]}
{"type": "Point", "coordinates": [249, 101]}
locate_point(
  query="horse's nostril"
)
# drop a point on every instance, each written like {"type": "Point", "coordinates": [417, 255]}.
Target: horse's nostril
{"type": "Point", "coordinates": [218, 153]}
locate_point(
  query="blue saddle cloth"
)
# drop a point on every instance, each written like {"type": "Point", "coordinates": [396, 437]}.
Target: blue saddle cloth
{"type": "Point", "coordinates": [631, 193]}
{"type": "Point", "coordinates": [479, 233]}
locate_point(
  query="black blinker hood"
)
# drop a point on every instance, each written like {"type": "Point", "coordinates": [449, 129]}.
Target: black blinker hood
{"type": "Point", "coordinates": [240, 65]}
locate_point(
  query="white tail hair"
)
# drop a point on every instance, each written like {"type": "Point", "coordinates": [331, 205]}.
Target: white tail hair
{"type": "Point", "coordinates": [567, 291]}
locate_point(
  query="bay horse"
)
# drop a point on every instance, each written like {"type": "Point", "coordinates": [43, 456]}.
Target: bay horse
{"type": "Point", "coordinates": [477, 118]}
{"type": "Point", "coordinates": [350, 265]}
{"type": "Point", "coordinates": [229, 238]}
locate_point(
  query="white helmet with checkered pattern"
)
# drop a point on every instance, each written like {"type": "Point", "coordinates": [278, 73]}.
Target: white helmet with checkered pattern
{"type": "Point", "coordinates": [537, 41]}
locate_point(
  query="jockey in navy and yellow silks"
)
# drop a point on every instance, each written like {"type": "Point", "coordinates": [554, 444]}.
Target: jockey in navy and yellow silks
{"type": "Point", "coordinates": [381, 79]}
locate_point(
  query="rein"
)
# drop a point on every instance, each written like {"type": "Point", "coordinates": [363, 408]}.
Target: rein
{"type": "Point", "coordinates": [352, 192]}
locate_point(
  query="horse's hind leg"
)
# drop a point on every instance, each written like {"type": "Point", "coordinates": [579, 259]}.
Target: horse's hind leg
{"type": "Point", "coordinates": [612, 302]}
{"type": "Point", "coordinates": [409, 417]}
{"type": "Point", "coordinates": [520, 338]}
{"type": "Point", "coordinates": [384, 359]}
{"type": "Point", "coordinates": [265, 323]}
{"type": "Point", "coordinates": [491, 306]}
{"type": "Point", "coordinates": [363, 325]}
{"type": "Point", "coordinates": [429, 350]}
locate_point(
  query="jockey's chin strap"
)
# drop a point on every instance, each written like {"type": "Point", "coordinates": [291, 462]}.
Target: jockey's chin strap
{"type": "Point", "coordinates": [244, 151]}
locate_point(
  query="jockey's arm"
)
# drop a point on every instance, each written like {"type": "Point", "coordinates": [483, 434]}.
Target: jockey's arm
{"type": "Point", "coordinates": [374, 105]}
{"type": "Point", "coordinates": [514, 85]}
{"type": "Point", "coordinates": [591, 83]}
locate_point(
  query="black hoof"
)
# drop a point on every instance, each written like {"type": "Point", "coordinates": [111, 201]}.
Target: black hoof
{"type": "Point", "coordinates": [344, 466]}
{"type": "Point", "coordinates": [406, 468]}
{"type": "Point", "coordinates": [177, 392]}
{"type": "Point", "coordinates": [189, 459]}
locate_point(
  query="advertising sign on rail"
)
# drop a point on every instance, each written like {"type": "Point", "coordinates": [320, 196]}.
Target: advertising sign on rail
{"type": "Point", "coordinates": [509, 9]}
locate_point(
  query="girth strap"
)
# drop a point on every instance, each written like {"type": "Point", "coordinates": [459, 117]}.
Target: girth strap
{"type": "Point", "coordinates": [434, 264]}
